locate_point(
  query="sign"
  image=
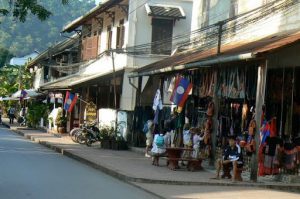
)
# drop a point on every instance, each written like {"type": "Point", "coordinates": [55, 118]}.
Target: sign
{"type": "Point", "coordinates": [91, 113]}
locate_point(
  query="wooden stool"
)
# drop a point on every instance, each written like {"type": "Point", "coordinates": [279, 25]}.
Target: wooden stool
{"type": "Point", "coordinates": [226, 172]}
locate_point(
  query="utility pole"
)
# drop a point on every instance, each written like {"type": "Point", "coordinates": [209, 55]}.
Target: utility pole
{"type": "Point", "coordinates": [220, 24]}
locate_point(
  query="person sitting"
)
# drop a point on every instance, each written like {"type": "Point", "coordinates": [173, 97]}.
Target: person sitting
{"type": "Point", "coordinates": [232, 157]}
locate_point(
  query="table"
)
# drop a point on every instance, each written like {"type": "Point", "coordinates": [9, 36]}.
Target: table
{"type": "Point", "coordinates": [174, 155]}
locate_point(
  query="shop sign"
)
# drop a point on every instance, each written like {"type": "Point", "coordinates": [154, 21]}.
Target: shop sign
{"type": "Point", "coordinates": [91, 113]}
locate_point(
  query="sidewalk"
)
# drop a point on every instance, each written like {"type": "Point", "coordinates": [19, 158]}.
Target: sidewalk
{"type": "Point", "coordinates": [133, 167]}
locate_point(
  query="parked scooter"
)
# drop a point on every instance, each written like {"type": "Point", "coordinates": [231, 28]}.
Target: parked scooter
{"type": "Point", "coordinates": [86, 134]}
{"type": "Point", "coordinates": [92, 135]}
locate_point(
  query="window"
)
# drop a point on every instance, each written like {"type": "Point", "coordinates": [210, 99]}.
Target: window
{"type": "Point", "coordinates": [233, 11]}
{"type": "Point", "coordinates": [162, 29]}
{"type": "Point", "coordinates": [205, 13]}
{"type": "Point", "coordinates": [89, 48]}
{"type": "Point", "coordinates": [109, 38]}
{"type": "Point", "coordinates": [120, 34]}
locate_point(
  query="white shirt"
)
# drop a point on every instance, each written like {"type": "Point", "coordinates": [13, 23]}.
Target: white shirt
{"type": "Point", "coordinates": [186, 137]}
{"type": "Point", "coordinates": [156, 149]}
{"type": "Point", "coordinates": [196, 140]}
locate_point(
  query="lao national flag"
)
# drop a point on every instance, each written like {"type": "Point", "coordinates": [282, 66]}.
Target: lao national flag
{"type": "Point", "coordinates": [181, 91]}
{"type": "Point", "coordinates": [70, 101]}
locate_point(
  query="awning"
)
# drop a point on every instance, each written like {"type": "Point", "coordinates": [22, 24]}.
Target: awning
{"type": "Point", "coordinates": [66, 83]}
{"type": "Point", "coordinates": [30, 93]}
{"type": "Point", "coordinates": [8, 99]}
{"type": "Point", "coordinates": [229, 53]}
{"type": "Point", "coordinates": [57, 48]}
{"type": "Point", "coordinates": [165, 11]}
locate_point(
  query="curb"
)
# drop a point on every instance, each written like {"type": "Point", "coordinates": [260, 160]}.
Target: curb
{"type": "Point", "coordinates": [132, 180]}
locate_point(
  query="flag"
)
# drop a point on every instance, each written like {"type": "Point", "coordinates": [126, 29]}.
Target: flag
{"type": "Point", "coordinates": [70, 101]}
{"type": "Point", "coordinates": [181, 91]}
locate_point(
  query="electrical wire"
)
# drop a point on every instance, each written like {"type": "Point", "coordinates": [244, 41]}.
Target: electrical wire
{"type": "Point", "coordinates": [207, 37]}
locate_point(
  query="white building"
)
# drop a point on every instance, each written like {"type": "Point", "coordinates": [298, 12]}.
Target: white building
{"type": "Point", "coordinates": [122, 27]}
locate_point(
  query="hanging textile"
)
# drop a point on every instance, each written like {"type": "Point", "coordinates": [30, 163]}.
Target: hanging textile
{"type": "Point", "coordinates": [232, 83]}
{"type": "Point", "coordinates": [157, 102]}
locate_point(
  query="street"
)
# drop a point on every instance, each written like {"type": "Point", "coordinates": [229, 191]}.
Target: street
{"type": "Point", "coordinates": [29, 170]}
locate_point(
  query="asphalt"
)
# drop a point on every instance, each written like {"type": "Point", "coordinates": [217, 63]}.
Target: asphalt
{"type": "Point", "coordinates": [29, 170]}
{"type": "Point", "coordinates": [133, 167]}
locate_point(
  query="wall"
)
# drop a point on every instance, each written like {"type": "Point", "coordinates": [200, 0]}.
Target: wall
{"type": "Point", "coordinates": [140, 28]}
{"type": "Point", "coordinates": [276, 23]}
{"type": "Point", "coordinates": [38, 78]}
{"type": "Point", "coordinates": [137, 31]}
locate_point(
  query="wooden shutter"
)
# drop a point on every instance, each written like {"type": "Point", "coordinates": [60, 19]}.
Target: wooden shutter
{"type": "Point", "coordinates": [109, 38]}
{"type": "Point", "coordinates": [119, 37]}
{"type": "Point", "coordinates": [89, 48]}
{"type": "Point", "coordinates": [162, 29]}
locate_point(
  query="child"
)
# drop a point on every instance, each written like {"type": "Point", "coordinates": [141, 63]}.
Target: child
{"type": "Point", "coordinates": [187, 141]}
{"type": "Point", "coordinates": [149, 136]}
{"type": "Point", "coordinates": [197, 138]}
{"type": "Point", "coordinates": [159, 148]}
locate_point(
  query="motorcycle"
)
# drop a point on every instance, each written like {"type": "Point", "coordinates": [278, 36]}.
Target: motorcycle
{"type": "Point", "coordinates": [85, 134]}
{"type": "Point", "coordinates": [92, 135]}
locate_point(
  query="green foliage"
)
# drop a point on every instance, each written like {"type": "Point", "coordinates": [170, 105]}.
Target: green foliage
{"type": "Point", "coordinates": [5, 56]}
{"type": "Point", "coordinates": [61, 120]}
{"type": "Point", "coordinates": [36, 111]}
{"type": "Point", "coordinates": [21, 8]}
{"type": "Point", "coordinates": [23, 38]}
{"type": "Point", "coordinates": [11, 77]}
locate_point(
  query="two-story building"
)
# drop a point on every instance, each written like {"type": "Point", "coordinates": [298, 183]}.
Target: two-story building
{"type": "Point", "coordinates": [116, 37]}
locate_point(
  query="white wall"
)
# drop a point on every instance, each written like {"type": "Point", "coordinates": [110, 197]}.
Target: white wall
{"type": "Point", "coordinates": [38, 78]}
{"type": "Point", "coordinates": [275, 24]}
{"type": "Point", "coordinates": [140, 28]}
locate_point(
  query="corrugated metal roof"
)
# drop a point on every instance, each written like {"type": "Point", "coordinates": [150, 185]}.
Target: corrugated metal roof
{"type": "Point", "coordinates": [92, 13]}
{"type": "Point", "coordinates": [257, 47]}
{"type": "Point", "coordinates": [165, 11]}
{"type": "Point", "coordinates": [61, 46]}
{"type": "Point", "coordinates": [72, 80]}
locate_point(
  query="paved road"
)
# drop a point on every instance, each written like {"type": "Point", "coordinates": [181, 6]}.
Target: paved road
{"type": "Point", "coordinates": [28, 170]}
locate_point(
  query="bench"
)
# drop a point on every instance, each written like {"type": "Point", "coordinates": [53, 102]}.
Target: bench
{"type": "Point", "coordinates": [192, 163]}
{"type": "Point", "coordinates": [226, 172]}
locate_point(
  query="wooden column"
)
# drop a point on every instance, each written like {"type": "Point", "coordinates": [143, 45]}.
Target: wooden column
{"type": "Point", "coordinates": [215, 119]}
{"type": "Point", "coordinates": [260, 100]}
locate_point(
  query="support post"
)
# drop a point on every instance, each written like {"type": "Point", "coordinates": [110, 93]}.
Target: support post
{"type": "Point", "coordinates": [260, 100]}
{"type": "Point", "coordinates": [115, 88]}
{"type": "Point", "coordinates": [215, 119]}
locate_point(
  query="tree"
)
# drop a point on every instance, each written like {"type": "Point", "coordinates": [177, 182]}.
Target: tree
{"type": "Point", "coordinates": [5, 56]}
{"type": "Point", "coordinates": [23, 38]}
{"type": "Point", "coordinates": [21, 8]}
{"type": "Point", "coordinates": [11, 77]}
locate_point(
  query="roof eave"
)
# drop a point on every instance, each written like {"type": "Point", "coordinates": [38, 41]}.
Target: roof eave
{"type": "Point", "coordinates": [93, 12]}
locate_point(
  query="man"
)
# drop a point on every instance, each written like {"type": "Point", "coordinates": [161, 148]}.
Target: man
{"type": "Point", "coordinates": [232, 157]}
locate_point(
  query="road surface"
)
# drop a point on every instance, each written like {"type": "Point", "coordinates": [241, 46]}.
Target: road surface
{"type": "Point", "coordinates": [28, 170]}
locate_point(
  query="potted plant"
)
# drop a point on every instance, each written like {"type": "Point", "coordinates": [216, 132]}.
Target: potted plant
{"type": "Point", "coordinates": [61, 121]}
{"type": "Point", "coordinates": [105, 137]}
{"type": "Point", "coordinates": [118, 141]}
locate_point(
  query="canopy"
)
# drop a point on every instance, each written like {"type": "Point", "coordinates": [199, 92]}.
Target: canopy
{"type": "Point", "coordinates": [30, 93]}
{"type": "Point", "coordinates": [8, 98]}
